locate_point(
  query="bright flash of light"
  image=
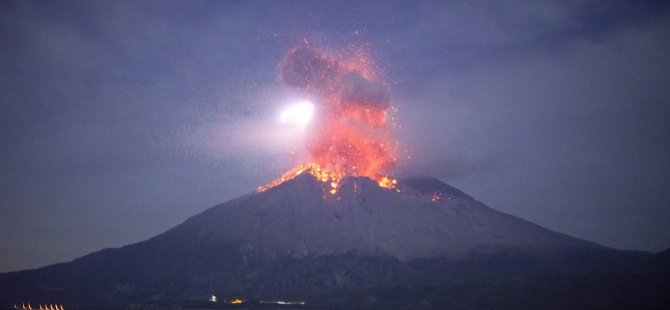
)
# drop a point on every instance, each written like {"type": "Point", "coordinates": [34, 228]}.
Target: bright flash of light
{"type": "Point", "coordinates": [299, 114]}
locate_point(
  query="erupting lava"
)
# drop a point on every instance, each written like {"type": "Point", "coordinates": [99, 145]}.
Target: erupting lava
{"type": "Point", "coordinates": [351, 136]}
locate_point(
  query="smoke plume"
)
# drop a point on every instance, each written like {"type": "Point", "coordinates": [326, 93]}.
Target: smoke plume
{"type": "Point", "coordinates": [351, 134]}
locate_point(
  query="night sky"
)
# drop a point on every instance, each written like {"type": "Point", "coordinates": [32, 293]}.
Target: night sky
{"type": "Point", "coordinates": [121, 119]}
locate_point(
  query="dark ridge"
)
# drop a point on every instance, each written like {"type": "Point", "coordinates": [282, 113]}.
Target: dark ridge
{"type": "Point", "coordinates": [427, 186]}
{"type": "Point", "coordinates": [664, 255]}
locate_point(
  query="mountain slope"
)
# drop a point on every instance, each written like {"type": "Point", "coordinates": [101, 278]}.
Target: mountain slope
{"type": "Point", "coordinates": [294, 219]}
{"type": "Point", "coordinates": [295, 240]}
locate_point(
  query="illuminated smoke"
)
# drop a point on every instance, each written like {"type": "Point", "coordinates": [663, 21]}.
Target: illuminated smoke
{"type": "Point", "coordinates": [325, 76]}
{"type": "Point", "coordinates": [355, 89]}
{"type": "Point", "coordinates": [350, 135]}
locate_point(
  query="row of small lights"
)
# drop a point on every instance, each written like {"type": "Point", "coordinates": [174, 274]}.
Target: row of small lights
{"type": "Point", "coordinates": [45, 307]}
{"type": "Point", "coordinates": [238, 301]}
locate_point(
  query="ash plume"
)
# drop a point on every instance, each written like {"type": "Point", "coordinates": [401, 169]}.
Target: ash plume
{"type": "Point", "coordinates": [321, 74]}
{"type": "Point", "coordinates": [351, 135]}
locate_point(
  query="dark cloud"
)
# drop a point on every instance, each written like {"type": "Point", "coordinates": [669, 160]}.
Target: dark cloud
{"type": "Point", "coordinates": [358, 90]}
{"type": "Point", "coordinates": [314, 71]}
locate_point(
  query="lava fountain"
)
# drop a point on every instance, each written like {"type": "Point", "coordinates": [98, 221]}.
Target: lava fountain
{"type": "Point", "coordinates": [351, 132]}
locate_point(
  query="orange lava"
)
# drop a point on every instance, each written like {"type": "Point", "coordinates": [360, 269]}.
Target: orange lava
{"type": "Point", "coordinates": [350, 134]}
{"type": "Point", "coordinates": [331, 178]}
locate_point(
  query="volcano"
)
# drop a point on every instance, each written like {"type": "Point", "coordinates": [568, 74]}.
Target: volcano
{"type": "Point", "coordinates": [425, 218]}
{"type": "Point", "coordinates": [296, 240]}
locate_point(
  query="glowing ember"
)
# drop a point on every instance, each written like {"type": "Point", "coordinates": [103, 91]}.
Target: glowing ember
{"type": "Point", "coordinates": [237, 301]}
{"type": "Point", "coordinates": [351, 136]}
{"type": "Point", "coordinates": [324, 176]}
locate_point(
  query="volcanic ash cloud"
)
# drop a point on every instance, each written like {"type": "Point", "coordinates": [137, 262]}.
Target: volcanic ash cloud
{"type": "Point", "coordinates": [350, 135]}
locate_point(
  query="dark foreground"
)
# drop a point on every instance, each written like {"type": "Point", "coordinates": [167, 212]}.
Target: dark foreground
{"type": "Point", "coordinates": [575, 279]}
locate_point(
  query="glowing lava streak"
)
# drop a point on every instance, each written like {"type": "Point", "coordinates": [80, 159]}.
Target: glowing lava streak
{"type": "Point", "coordinates": [352, 135]}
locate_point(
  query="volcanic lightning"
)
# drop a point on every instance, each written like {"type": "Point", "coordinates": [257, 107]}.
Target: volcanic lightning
{"type": "Point", "coordinates": [351, 132]}
{"type": "Point", "coordinates": [299, 114]}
